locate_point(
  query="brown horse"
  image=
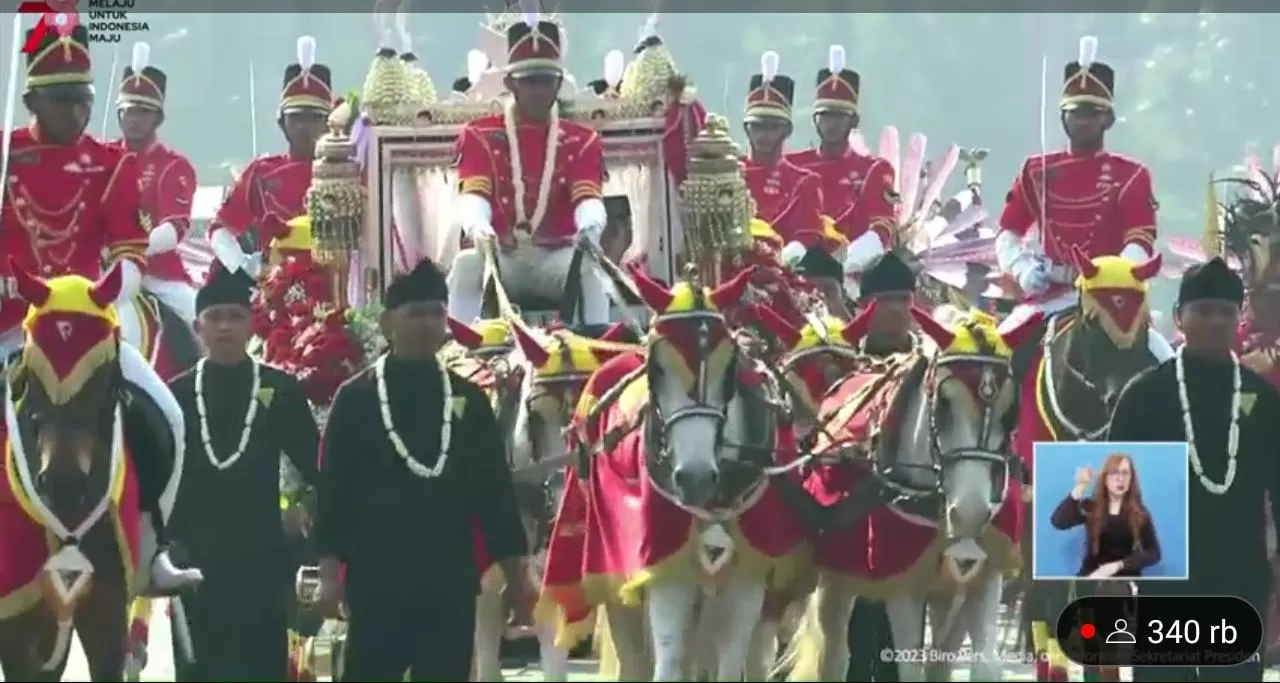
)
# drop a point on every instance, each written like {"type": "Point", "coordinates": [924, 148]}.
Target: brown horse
{"type": "Point", "coordinates": [69, 520]}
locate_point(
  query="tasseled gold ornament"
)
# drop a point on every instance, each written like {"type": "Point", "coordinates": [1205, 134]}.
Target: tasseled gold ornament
{"type": "Point", "coordinates": [335, 204]}
{"type": "Point", "coordinates": [715, 204]}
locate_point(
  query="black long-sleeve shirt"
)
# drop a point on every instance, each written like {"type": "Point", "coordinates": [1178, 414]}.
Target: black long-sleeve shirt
{"type": "Point", "coordinates": [1116, 542]}
{"type": "Point", "coordinates": [392, 527]}
{"type": "Point", "coordinates": [233, 513]}
{"type": "Point", "coordinates": [1227, 532]}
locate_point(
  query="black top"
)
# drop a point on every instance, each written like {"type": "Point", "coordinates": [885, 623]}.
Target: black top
{"type": "Point", "coordinates": [1115, 539]}
{"type": "Point", "coordinates": [1227, 532]}
{"type": "Point", "coordinates": [222, 515]}
{"type": "Point", "coordinates": [392, 528]}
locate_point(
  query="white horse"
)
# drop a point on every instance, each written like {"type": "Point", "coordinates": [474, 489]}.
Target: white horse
{"type": "Point", "coordinates": [552, 368]}
{"type": "Point", "coordinates": [699, 457]}
{"type": "Point", "coordinates": [951, 471]}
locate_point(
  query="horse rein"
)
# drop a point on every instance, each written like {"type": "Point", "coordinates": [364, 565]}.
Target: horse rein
{"type": "Point", "coordinates": [1077, 433]}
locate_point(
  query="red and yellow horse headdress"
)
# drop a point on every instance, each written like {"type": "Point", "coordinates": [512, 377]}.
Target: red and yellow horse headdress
{"type": "Point", "coordinates": [71, 329]}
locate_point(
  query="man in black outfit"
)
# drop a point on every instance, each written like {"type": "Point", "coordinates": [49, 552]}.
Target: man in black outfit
{"type": "Point", "coordinates": [240, 415]}
{"type": "Point", "coordinates": [1227, 510]}
{"type": "Point", "coordinates": [398, 489]}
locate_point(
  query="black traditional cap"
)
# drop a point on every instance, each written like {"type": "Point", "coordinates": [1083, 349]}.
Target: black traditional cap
{"type": "Point", "coordinates": [888, 273]}
{"type": "Point", "coordinates": [224, 287]}
{"type": "Point", "coordinates": [1212, 280]}
{"type": "Point", "coordinates": [462, 85]}
{"type": "Point", "coordinates": [617, 207]}
{"type": "Point", "coordinates": [142, 85]}
{"type": "Point", "coordinates": [1086, 82]}
{"type": "Point", "coordinates": [424, 283]}
{"type": "Point", "coordinates": [599, 86]}
{"type": "Point", "coordinates": [816, 262]}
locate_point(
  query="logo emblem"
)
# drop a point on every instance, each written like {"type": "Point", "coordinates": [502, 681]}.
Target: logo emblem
{"type": "Point", "coordinates": [64, 329]}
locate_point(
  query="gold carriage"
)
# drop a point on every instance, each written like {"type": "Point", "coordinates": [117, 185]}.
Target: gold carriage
{"type": "Point", "coordinates": [410, 185]}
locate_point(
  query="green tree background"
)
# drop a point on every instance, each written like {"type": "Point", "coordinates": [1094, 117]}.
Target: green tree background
{"type": "Point", "coordinates": [1194, 91]}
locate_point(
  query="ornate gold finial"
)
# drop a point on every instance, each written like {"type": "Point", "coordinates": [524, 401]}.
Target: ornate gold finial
{"type": "Point", "coordinates": [715, 203]}
{"type": "Point", "coordinates": [335, 204]}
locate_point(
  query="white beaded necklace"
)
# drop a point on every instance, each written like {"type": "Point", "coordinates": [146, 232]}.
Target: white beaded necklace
{"type": "Point", "coordinates": [446, 421]}
{"type": "Point", "coordinates": [1233, 434]}
{"type": "Point", "coordinates": [250, 415]}
{"type": "Point", "coordinates": [517, 166]}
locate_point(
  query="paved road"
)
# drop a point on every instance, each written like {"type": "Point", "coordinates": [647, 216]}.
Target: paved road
{"type": "Point", "coordinates": [160, 666]}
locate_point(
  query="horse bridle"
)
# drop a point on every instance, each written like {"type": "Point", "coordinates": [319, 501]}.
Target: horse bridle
{"type": "Point", "coordinates": [1051, 389]}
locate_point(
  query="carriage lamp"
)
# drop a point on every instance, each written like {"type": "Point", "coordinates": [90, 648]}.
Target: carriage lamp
{"type": "Point", "coordinates": [715, 204]}
{"type": "Point", "coordinates": [335, 203]}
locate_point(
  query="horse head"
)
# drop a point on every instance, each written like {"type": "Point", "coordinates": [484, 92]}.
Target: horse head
{"type": "Point", "coordinates": [1108, 345]}
{"type": "Point", "coordinates": [696, 407]}
{"type": "Point", "coordinates": [954, 424]}
{"type": "Point", "coordinates": [62, 413]}
{"type": "Point", "coordinates": [817, 355]}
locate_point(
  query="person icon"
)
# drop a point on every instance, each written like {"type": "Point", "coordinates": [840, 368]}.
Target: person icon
{"type": "Point", "coordinates": [1121, 635]}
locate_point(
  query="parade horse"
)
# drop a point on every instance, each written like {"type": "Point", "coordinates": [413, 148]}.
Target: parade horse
{"type": "Point", "coordinates": [1086, 358]}
{"type": "Point", "coordinates": [166, 340]}
{"type": "Point", "coordinates": [673, 508]}
{"type": "Point", "coordinates": [928, 425]}
{"type": "Point", "coordinates": [536, 384]}
{"type": "Point", "coordinates": [69, 516]}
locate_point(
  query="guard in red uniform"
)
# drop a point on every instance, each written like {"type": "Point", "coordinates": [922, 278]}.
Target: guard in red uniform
{"type": "Point", "coordinates": [857, 189]}
{"type": "Point", "coordinates": [68, 199]}
{"type": "Point", "coordinates": [788, 197]}
{"type": "Point", "coordinates": [168, 184]}
{"type": "Point", "coordinates": [1098, 201]}
{"type": "Point", "coordinates": [532, 182]}
{"type": "Point", "coordinates": [271, 189]}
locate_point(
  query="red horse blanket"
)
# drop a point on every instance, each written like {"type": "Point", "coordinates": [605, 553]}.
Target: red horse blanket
{"type": "Point", "coordinates": [25, 544]}
{"type": "Point", "coordinates": [889, 549]}
{"type": "Point", "coordinates": [615, 533]}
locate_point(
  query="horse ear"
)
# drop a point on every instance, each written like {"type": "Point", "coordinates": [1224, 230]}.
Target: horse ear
{"type": "Point", "coordinates": [1148, 269]}
{"type": "Point", "coordinates": [1083, 263]}
{"type": "Point", "coordinates": [464, 335]}
{"type": "Point", "coordinates": [617, 333]}
{"type": "Point", "coordinates": [529, 346]}
{"type": "Point", "coordinates": [1014, 337]}
{"type": "Point", "coordinates": [935, 330]}
{"type": "Point", "coordinates": [31, 288]}
{"type": "Point", "coordinates": [775, 325]}
{"type": "Point", "coordinates": [107, 288]}
{"type": "Point", "coordinates": [730, 293]}
{"type": "Point", "coordinates": [656, 297]}
{"type": "Point", "coordinates": [856, 330]}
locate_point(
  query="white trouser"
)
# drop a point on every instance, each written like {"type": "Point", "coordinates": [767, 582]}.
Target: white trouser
{"type": "Point", "coordinates": [136, 370]}
{"type": "Point", "coordinates": [528, 271]}
{"type": "Point", "coordinates": [1158, 345]}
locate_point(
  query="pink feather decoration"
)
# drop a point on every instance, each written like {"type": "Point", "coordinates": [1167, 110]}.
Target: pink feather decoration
{"type": "Point", "coordinates": [909, 180]}
{"type": "Point", "coordinates": [889, 151]}
{"type": "Point", "coordinates": [938, 176]}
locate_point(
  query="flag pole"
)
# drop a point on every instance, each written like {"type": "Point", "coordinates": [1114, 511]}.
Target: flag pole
{"type": "Point", "coordinates": [253, 110]}
{"type": "Point", "coordinates": [111, 84]}
{"type": "Point", "coordinates": [10, 101]}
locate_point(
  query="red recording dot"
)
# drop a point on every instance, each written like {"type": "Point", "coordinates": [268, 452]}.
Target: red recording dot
{"type": "Point", "coordinates": [1087, 631]}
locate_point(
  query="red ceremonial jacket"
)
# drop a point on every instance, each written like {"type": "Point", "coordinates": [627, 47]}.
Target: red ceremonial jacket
{"type": "Point", "coordinates": [789, 198]}
{"type": "Point", "coordinates": [485, 168]}
{"type": "Point", "coordinates": [268, 194]}
{"type": "Point", "coordinates": [64, 206]}
{"type": "Point", "coordinates": [857, 191]}
{"type": "Point", "coordinates": [167, 184]}
{"type": "Point", "coordinates": [1099, 203]}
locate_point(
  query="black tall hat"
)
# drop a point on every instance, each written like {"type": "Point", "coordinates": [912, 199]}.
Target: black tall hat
{"type": "Point", "coordinates": [224, 287]}
{"type": "Point", "coordinates": [142, 85]}
{"type": "Point", "coordinates": [534, 48]}
{"type": "Point", "coordinates": [1212, 280]}
{"type": "Point", "coordinates": [424, 283]}
{"type": "Point", "coordinates": [55, 59]}
{"type": "Point", "coordinates": [837, 87]}
{"type": "Point", "coordinates": [307, 85]}
{"type": "Point", "coordinates": [888, 273]}
{"type": "Point", "coordinates": [1086, 82]}
{"type": "Point", "coordinates": [770, 94]}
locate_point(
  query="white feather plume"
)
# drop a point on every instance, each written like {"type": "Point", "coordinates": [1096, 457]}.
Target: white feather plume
{"type": "Point", "coordinates": [402, 28]}
{"type": "Point", "coordinates": [306, 52]}
{"type": "Point", "coordinates": [141, 57]}
{"type": "Point", "coordinates": [529, 8]}
{"type": "Point", "coordinates": [650, 27]}
{"type": "Point", "coordinates": [769, 62]}
{"type": "Point", "coordinates": [477, 62]}
{"type": "Point", "coordinates": [1088, 51]}
{"type": "Point", "coordinates": [835, 59]}
{"type": "Point", "coordinates": [614, 65]}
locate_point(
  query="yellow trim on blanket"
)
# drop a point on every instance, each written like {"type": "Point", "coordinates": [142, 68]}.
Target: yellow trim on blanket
{"type": "Point", "coordinates": [1041, 409]}
{"type": "Point", "coordinates": [29, 595]}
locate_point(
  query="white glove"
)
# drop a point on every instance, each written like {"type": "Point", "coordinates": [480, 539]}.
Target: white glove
{"type": "Point", "coordinates": [480, 231]}
{"type": "Point", "coordinates": [476, 216]}
{"type": "Point", "coordinates": [253, 265]}
{"type": "Point", "coordinates": [163, 237]}
{"type": "Point", "coordinates": [792, 254]}
{"type": "Point", "coordinates": [862, 252]}
{"type": "Point", "coordinates": [1032, 275]}
{"type": "Point", "coordinates": [1136, 253]}
{"type": "Point", "coordinates": [590, 217]}
{"type": "Point", "coordinates": [130, 281]}
{"type": "Point", "coordinates": [590, 234]}
{"type": "Point", "coordinates": [228, 250]}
